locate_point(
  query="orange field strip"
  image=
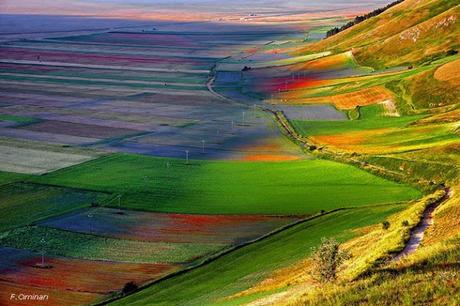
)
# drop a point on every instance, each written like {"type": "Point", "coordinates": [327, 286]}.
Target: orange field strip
{"type": "Point", "coordinates": [449, 72]}
{"type": "Point", "coordinates": [349, 100]}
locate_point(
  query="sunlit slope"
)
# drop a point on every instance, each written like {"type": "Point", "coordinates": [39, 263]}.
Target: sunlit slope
{"type": "Point", "coordinates": [409, 33]}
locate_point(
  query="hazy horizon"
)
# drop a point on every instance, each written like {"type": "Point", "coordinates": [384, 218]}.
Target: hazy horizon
{"type": "Point", "coordinates": [145, 8]}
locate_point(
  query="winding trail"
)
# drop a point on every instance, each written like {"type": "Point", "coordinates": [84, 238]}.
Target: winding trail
{"type": "Point", "coordinates": [417, 234]}
{"type": "Point", "coordinates": [209, 86]}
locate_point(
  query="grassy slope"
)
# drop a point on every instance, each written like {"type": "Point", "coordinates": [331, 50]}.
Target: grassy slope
{"type": "Point", "coordinates": [377, 41]}
{"type": "Point", "coordinates": [240, 269]}
{"type": "Point", "coordinates": [432, 271]}
{"type": "Point", "coordinates": [299, 187]}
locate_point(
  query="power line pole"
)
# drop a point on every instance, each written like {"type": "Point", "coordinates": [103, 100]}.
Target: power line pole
{"type": "Point", "coordinates": [42, 241]}
{"type": "Point", "coordinates": [90, 216]}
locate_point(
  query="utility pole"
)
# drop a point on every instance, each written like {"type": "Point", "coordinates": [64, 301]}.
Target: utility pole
{"type": "Point", "coordinates": [90, 216]}
{"type": "Point", "coordinates": [42, 241]}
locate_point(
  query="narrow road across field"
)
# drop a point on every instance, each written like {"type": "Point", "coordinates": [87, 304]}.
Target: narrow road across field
{"type": "Point", "coordinates": [110, 67]}
{"type": "Point", "coordinates": [114, 81]}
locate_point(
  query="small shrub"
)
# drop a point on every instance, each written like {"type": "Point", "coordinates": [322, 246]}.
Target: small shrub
{"type": "Point", "coordinates": [451, 52]}
{"type": "Point", "coordinates": [405, 223]}
{"type": "Point", "coordinates": [327, 258]}
{"type": "Point", "coordinates": [129, 287]}
{"type": "Point", "coordinates": [322, 211]}
{"type": "Point", "coordinates": [385, 225]}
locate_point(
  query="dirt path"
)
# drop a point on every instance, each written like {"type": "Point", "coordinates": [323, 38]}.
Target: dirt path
{"type": "Point", "coordinates": [114, 81]}
{"type": "Point", "coordinates": [417, 234]}
{"type": "Point", "coordinates": [209, 86]}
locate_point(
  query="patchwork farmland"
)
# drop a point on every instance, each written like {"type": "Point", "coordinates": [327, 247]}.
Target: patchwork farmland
{"type": "Point", "coordinates": [202, 162]}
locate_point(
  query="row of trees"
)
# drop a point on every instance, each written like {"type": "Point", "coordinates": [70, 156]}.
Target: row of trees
{"type": "Point", "coordinates": [359, 19]}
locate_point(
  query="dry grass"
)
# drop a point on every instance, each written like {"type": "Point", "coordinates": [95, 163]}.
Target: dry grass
{"type": "Point", "coordinates": [406, 33]}
{"type": "Point", "coordinates": [449, 72]}
{"type": "Point", "coordinates": [450, 116]}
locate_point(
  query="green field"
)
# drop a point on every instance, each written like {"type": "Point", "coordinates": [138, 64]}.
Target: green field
{"type": "Point", "coordinates": [9, 177]}
{"type": "Point", "coordinates": [17, 119]}
{"type": "Point", "coordinates": [22, 204]}
{"type": "Point", "coordinates": [211, 187]}
{"type": "Point", "coordinates": [370, 120]}
{"type": "Point", "coordinates": [77, 245]}
{"type": "Point", "coordinates": [240, 269]}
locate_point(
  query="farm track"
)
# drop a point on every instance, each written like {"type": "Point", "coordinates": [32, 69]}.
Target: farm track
{"type": "Point", "coordinates": [209, 86]}
{"type": "Point", "coordinates": [108, 67]}
{"type": "Point", "coordinates": [68, 48]}
{"type": "Point", "coordinates": [66, 78]}
{"type": "Point", "coordinates": [115, 88]}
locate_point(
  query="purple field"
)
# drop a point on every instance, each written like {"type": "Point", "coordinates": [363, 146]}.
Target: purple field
{"type": "Point", "coordinates": [175, 228]}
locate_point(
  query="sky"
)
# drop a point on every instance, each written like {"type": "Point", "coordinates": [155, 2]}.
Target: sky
{"type": "Point", "coordinates": [152, 8]}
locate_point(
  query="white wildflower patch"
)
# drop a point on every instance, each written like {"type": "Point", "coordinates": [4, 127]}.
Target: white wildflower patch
{"type": "Point", "coordinates": [444, 23]}
{"type": "Point", "coordinates": [412, 34]}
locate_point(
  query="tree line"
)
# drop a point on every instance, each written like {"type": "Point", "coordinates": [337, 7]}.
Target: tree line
{"type": "Point", "coordinates": [359, 19]}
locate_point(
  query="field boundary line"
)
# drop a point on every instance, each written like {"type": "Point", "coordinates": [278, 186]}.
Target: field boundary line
{"type": "Point", "coordinates": [108, 67]}
{"type": "Point", "coordinates": [56, 186]}
{"type": "Point", "coordinates": [220, 254]}
{"type": "Point", "coordinates": [61, 186]}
